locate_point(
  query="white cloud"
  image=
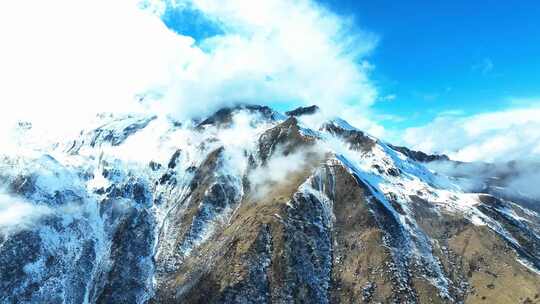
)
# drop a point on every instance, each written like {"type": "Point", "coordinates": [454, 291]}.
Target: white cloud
{"type": "Point", "coordinates": [15, 212]}
{"type": "Point", "coordinates": [281, 167]}
{"type": "Point", "coordinates": [239, 137]}
{"type": "Point", "coordinates": [63, 57]}
{"type": "Point", "coordinates": [524, 102]}
{"type": "Point", "coordinates": [64, 60]}
{"type": "Point", "coordinates": [276, 51]}
{"type": "Point", "coordinates": [515, 178]}
{"type": "Point", "coordinates": [526, 183]}
{"type": "Point", "coordinates": [497, 136]}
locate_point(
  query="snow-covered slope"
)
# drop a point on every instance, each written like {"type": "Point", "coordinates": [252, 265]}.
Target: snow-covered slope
{"type": "Point", "coordinates": [250, 206]}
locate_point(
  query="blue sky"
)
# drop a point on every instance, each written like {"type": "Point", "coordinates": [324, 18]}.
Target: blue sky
{"type": "Point", "coordinates": [434, 56]}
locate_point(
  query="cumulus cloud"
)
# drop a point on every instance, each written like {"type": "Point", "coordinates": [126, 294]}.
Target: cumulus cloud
{"type": "Point", "coordinates": [276, 52]}
{"type": "Point", "coordinates": [493, 137]}
{"type": "Point", "coordinates": [65, 60]}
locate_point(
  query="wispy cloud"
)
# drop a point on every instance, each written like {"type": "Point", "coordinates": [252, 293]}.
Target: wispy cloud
{"type": "Point", "coordinates": [524, 101]}
{"type": "Point", "coordinates": [485, 66]}
{"type": "Point", "coordinates": [16, 213]}
{"type": "Point", "coordinates": [453, 112]}
{"type": "Point", "coordinates": [515, 179]}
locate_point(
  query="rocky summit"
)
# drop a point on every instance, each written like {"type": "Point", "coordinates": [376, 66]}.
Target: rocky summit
{"type": "Point", "coordinates": [252, 206]}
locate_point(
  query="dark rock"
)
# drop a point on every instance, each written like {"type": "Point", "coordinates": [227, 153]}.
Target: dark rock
{"type": "Point", "coordinates": [357, 140]}
{"type": "Point", "coordinates": [110, 133]}
{"type": "Point", "coordinates": [23, 185]}
{"type": "Point", "coordinates": [419, 155]}
{"type": "Point", "coordinates": [300, 111]}
{"type": "Point", "coordinates": [367, 292]}
{"type": "Point", "coordinates": [18, 250]}
{"type": "Point", "coordinates": [131, 255]}
{"type": "Point", "coordinates": [174, 159]}
{"type": "Point", "coordinates": [154, 166]}
{"type": "Point", "coordinates": [285, 136]}
{"type": "Point", "coordinates": [223, 117]}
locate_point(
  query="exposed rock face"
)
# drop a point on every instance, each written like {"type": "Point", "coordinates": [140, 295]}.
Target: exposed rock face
{"type": "Point", "coordinates": [303, 111]}
{"type": "Point", "coordinates": [420, 156]}
{"type": "Point", "coordinates": [356, 139]}
{"type": "Point", "coordinates": [224, 116]}
{"type": "Point", "coordinates": [113, 132]}
{"type": "Point", "coordinates": [286, 136]}
{"type": "Point", "coordinates": [285, 214]}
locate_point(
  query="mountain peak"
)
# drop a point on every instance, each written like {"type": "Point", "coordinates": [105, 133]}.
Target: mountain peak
{"type": "Point", "coordinates": [223, 116]}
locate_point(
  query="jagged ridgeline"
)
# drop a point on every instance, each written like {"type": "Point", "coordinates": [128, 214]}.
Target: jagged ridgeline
{"type": "Point", "coordinates": [252, 206]}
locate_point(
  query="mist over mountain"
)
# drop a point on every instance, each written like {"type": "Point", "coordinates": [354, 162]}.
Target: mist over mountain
{"type": "Point", "coordinates": [249, 205]}
{"type": "Point", "coordinates": [514, 180]}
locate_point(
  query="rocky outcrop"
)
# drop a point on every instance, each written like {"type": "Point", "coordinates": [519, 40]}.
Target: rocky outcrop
{"type": "Point", "coordinates": [287, 136]}
{"type": "Point", "coordinates": [223, 117]}
{"type": "Point", "coordinates": [113, 131]}
{"type": "Point", "coordinates": [300, 111]}
{"type": "Point", "coordinates": [419, 155]}
{"type": "Point", "coordinates": [356, 139]}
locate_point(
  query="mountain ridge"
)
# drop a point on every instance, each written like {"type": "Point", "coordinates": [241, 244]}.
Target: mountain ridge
{"type": "Point", "coordinates": [251, 206]}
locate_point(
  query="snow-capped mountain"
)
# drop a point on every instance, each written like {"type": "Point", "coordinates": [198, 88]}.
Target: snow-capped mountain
{"type": "Point", "coordinates": [252, 206]}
